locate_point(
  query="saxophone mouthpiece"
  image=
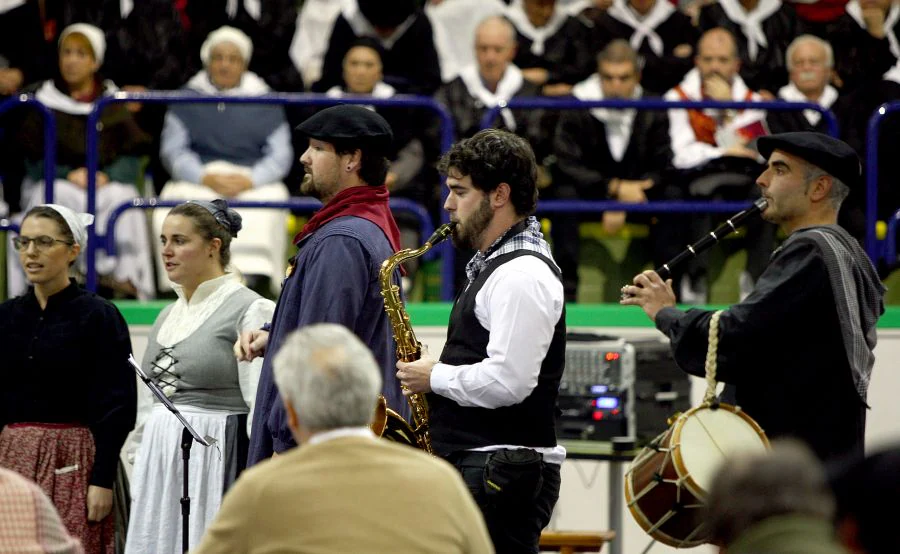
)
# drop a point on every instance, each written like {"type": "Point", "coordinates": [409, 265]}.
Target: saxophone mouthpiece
{"type": "Point", "coordinates": [441, 233]}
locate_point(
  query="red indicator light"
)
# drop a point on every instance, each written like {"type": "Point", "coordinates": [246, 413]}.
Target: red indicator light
{"type": "Point", "coordinates": [612, 356]}
{"type": "Point", "coordinates": [598, 416]}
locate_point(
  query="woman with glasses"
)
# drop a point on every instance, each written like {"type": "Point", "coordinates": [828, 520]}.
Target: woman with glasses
{"type": "Point", "coordinates": [67, 400]}
{"type": "Point", "coordinates": [189, 355]}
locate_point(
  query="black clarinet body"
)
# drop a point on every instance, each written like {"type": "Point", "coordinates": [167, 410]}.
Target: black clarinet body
{"type": "Point", "coordinates": [722, 231]}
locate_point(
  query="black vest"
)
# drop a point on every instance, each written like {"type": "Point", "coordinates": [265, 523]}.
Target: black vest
{"type": "Point", "coordinates": [529, 423]}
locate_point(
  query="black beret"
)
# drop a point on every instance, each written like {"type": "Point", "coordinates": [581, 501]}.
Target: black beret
{"type": "Point", "coordinates": [350, 124]}
{"type": "Point", "coordinates": [832, 155]}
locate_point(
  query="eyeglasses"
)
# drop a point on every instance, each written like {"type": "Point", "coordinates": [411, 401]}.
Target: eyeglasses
{"type": "Point", "coordinates": [42, 242]}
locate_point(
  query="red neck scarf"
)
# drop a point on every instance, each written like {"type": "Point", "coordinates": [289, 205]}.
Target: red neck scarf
{"type": "Point", "coordinates": [364, 201]}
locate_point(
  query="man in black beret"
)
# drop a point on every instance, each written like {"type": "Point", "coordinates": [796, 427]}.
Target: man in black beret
{"type": "Point", "coordinates": [334, 275]}
{"type": "Point", "coordinates": [799, 348]}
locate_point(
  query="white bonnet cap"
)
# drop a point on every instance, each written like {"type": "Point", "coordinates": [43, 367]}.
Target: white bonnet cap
{"type": "Point", "coordinates": [227, 34]}
{"type": "Point", "coordinates": [94, 35]}
{"type": "Point", "coordinates": [77, 222]}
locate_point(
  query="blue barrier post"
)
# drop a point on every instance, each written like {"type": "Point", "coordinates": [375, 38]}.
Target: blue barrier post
{"type": "Point", "coordinates": [7, 225]}
{"type": "Point", "coordinates": [874, 129]}
{"type": "Point", "coordinates": [49, 138]}
{"type": "Point", "coordinates": [890, 248]}
{"type": "Point", "coordinates": [182, 98]}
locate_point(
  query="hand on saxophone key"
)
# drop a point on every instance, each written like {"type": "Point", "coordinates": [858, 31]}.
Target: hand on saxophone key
{"type": "Point", "coordinates": [649, 292]}
{"type": "Point", "coordinates": [416, 376]}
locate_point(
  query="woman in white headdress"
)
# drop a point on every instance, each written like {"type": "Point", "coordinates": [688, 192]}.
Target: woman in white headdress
{"type": "Point", "coordinates": [231, 151]}
{"type": "Point", "coordinates": [68, 398]}
{"type": "Point", "coordinates": [71, 98]}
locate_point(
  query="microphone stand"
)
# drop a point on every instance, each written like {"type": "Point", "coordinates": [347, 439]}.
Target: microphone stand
{"type": "Point", "coordinates": [188, 436]}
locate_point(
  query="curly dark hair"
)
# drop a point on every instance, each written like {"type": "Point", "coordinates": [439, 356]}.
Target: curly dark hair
{"type": "Point", "coordinates": [494, 156]}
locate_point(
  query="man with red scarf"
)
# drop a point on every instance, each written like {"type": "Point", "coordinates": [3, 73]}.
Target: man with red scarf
{"type": "Point", "coordinates": [334, 276]}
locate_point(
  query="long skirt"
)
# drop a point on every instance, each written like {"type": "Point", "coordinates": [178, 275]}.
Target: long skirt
{"type": "Point", "coordinates": [155, 525]}
{"type": "Point", "coordinates": [60, 458]}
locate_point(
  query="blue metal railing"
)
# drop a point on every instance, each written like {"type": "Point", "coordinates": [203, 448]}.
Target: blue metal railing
{"type": "Point", "coordinates": [872, 137]}
{"type": "Point", "coordinates": [7, 225]}
{"type": "Point", "coordinates": [298, 204]}
{"type": "Point", "coordinates": [92, 138]}
{"type": "Point", "coordinates": [890, 241]}
{"type": "Point", "coordinates": [49, 137]}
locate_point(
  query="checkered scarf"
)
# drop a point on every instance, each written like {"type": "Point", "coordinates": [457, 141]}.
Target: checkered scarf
{"type": "Point", "coordinates": [858, 296]}
{"type": "Point", "coordinates": [525, 235]}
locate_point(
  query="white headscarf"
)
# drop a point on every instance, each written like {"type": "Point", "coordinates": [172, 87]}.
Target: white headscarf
{"type": "Point", "coordinates": [94, 36]}
{"type": "Point", "coordinates": [227, 34]}
{"type": "Point", "coordinates": [77, 222]}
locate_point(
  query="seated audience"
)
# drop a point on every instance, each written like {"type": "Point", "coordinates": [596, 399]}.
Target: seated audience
{"type": "Point", "coordinates": [661, 34]}
{"type": "Point", "coordinates": [342, 489]}
{"type": "Point", "coordinates": [611, 154]}
{"type": "Point", "coordinates": [232, 151]}
{"type": "Point", "coordinates": [455, 23]}
{"type": "Point", "coordinates": [714, 151]}
{"type": "Point", "coordinates": [71, 98]}
{"type": "Point", "coordinates": [554, 49]}
{"type": "Point", "coordinates": [865, 43]}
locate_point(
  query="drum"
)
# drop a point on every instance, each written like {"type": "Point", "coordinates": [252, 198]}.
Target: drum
{"type": "Point", "coordinates": [667, 483]}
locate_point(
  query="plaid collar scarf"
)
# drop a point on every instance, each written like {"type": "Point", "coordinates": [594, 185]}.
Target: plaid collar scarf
{"type": "Point", "coordinates": [524, 235]}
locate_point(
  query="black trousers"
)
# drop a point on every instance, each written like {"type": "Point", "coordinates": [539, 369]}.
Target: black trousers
{"type": "Point", "coordinates": [515, 527]}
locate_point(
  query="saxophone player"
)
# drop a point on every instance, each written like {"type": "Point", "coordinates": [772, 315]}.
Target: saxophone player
{"type": "Point", "coordinates": [492, 395]}
{"type": "Point", "coordinates": [333, 277]}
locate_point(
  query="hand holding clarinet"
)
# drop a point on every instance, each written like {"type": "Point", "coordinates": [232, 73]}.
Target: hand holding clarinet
{"type": "Point", "coordinates": [652, 290]}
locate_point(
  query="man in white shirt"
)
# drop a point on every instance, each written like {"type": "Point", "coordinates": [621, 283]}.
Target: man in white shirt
{"type": "Point", "coordinates": [492, 396]}
{"type": "Point", "coordinates": [328, 494]}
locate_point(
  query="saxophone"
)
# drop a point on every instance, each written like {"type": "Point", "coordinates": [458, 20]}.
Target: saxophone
{"type": "Point", "coordinates": [387, 422]}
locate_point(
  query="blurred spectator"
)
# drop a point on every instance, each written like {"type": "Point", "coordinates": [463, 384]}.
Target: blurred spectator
{"type": "Point", "coordinates": [314, 25]}
{"type": "Point", "coordinates": [604, 153]}
{"type": "Point", "coordinates": [714, 150]}
{"type": "Point", "coordinates": [270, 25]}
{"type": "Point", "coordinates": [776, 502]}
{"type": "Point", "coordinates": [865, 43]}
{"type": "Point", "coordinates": [208, 158]}
{"type": "Point", "coordinates": [28, 520]}
{"type": "Point", "coordinates": [554, 49]}
{"type": "Point", "coordinates": [866, 491]}
{"type": "Point", "coordinates": [411, 63]}
{"type": "Point", "coordinates": [809, 62]}
{"type": "Point", "coordinates": [454, 23]}
{"type": "Point", "coordinates": [362, 76]}
{"type": "Point", "coordinates": [818, 15]}
{"type": "Point", "coordinates": [493, 79]}
{"type": "Point", "coordinates": [763, 29]}
{"type": "Point", "coordinates": [71, 98]}
{"type": "Point", "coordinates": [662, 35]}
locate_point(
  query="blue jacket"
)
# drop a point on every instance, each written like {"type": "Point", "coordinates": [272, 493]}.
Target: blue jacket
{"type": "Point", "coordinates": [335, 280]}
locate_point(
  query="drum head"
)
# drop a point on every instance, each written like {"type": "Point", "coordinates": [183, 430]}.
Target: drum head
{"type": "Point", "coordinates": [707, 437]}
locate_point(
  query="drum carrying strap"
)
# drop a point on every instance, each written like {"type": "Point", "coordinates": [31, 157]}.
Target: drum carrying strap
{"type": "Point", "coordinates": [711, 354]}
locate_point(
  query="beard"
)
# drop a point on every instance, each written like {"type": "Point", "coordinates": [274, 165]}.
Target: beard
{"type": "Point", "coordinates": [318, 188]}
{"type": "Point", "coordinates": [467, 234]}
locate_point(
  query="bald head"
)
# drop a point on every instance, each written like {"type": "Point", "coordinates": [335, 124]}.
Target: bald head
{"type": "Point", "coordinates": [495, 48]}
{"type": "Point", "coordinates": [717, 54]}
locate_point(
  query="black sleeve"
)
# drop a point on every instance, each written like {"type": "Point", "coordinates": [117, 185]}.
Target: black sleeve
{"type": "Point", "coordinates": [113, 393]}
{"type": "Point", "coordinates": [572, 145]}
{"type": "Point", "coordinates": [659, 148]}
{"type": "Point", "coordinates": [578, 61]}
{"type": "Point", "coordinates": [775, 306]}
{"type": "Point", "coordinates": [342, 36]}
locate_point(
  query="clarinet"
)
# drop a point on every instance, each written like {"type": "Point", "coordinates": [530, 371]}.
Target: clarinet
{"type": "Point", "coordinates": [722, 231]}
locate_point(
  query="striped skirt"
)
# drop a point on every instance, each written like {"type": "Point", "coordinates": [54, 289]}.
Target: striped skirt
{"type": "Point", "coordinates": [59, 458]}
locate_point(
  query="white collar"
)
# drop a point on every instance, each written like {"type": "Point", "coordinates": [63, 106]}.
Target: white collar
{"type": "Point", "coordinates": [7, 5]}
{"type": "Point", "coordinates": [590, 89]}
{"type": "Point", "coordinates": [205, 289]}
{"type": "Point", "coordinates": [508, 86]}
{"type": "Point", "coordinates": [252, 7]}
{"type": "Point", "coordinates": [362, 27]}
{"type": "Point", "coordinates": [55, 99]}
{"type": "Point", "coordinates": [343, 432]}
{"type": "Point", "coordinates": [751, 22]}
{"type": "Point", "coordinates": [854, 10]}
{"type": "Point", "coordinates": [516, 14]}
{"type": "Point", "coordinates": [791, 93]}
{"type": "Point", "coordinates": [381, 90]}
{"type": "Point", "coordinates": [644, 26]}
{"type": "Point", "coordinates": [251, 85]}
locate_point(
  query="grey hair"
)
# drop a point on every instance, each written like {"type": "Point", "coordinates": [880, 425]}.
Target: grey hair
{"type": "Point", "coordinates": [328, 376]}
{"type": "Point", "coordinates": [839, 189]}
{"type": "Point", "coordinates": [789, 479]}
{"type": "Point", "coordinates": [829, 51]}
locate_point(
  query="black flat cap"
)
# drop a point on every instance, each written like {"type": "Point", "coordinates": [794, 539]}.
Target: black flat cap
{"type": "Point", "coordinates": [823, 151]}
{"type": "Point", "coordinates": [350, 124]}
